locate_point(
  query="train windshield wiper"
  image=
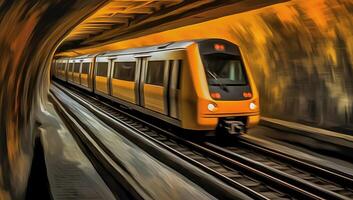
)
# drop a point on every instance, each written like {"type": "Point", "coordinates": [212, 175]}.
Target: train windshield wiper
{"type": "Point", "coordinates": [219, 83]}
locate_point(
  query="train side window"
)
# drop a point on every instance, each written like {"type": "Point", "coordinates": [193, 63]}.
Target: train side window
{"type": "Point", "coordinates": [77, 67]}
{"type": "Point", "coordinates": [85, 68]}
{"type": "Point", "coordinates": [155, 73]}
{"type": "Point", "coordinates": [102, 68]}
{"type": "Point", "coordinates": [124, 71]}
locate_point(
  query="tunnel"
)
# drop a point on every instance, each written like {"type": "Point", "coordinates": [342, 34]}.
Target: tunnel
{"type": "Point", "coordinates": [300, 57]}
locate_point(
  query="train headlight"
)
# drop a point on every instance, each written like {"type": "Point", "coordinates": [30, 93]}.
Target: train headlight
{"type": "Point", "coordinates": [252, 106]}
{"type": "Point", "coordinates": [211, 107]}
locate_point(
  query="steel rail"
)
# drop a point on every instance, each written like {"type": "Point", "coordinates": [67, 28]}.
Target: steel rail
{"type": "Point", "coordinates": [97, 155]}
{"type": "Point", "coordinates": [217, 189]}
{"type": "Point", "coordinates": [268, 177]}
{"type": "Point", "coordinates": [303, 180]}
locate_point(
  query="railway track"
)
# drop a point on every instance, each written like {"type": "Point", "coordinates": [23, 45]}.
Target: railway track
{"type": "Point", "coordinates": [256, 172]}
{"type": "Point", "coordinates": [290, 169]}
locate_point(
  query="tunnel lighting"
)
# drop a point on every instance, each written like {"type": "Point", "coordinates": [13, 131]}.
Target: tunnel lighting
{"type": "Point", "coordinates": [252, 106]}
{"type": "Point", "coordinates": [211, 107]}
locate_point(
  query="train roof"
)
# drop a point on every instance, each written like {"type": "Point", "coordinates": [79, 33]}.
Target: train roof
{"type": "Point", "coordinates": [148, 49]}
{"type": "Point", "coordinates": [154, 48]}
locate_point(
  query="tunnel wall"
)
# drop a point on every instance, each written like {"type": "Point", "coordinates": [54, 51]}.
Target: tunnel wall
{"type": "Point", "coordinates": [300, 52]}
{"type": "Point", "coordinates": [29, 34]}
{"type": "Point", "coordinates": [301, 55]}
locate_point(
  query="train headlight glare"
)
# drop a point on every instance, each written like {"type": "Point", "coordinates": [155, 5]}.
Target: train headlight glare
{"type": "Point", "coordinates": [252, 106]}
{"type": "Point", "coordinates": [211, 107]}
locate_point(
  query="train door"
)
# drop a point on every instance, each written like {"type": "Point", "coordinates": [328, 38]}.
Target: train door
{"type": "Point", "coordinates": [92, 74]}
{"type": "Point", "coordinates": [101, 75]}
{"type": "Point", "coordinates": [110, 75]}
{"type": "Point", "coordinates": [140, 79]}
{"type": "Point", "coordinates": [69, 70]}
{"type": "Point", "coordinates": [124, 78]}
{"type": "Point", "coordinates": [174, 87]}
{"type": "Point", "coordinates": [76, 72]}
{"type": "Point", "coordinates": [85, 71]}
{"type": "Point", "coordinates": [154, 84]}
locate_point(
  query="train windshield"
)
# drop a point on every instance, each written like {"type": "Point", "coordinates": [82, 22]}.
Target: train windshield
{"type": "Point", "coordinates": [224, 69]}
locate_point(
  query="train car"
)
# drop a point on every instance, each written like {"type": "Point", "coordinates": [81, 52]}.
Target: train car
{"type": "Point", "coordinates": [197, 85]}
{"type": "Point", "coordinates": [79, 71]}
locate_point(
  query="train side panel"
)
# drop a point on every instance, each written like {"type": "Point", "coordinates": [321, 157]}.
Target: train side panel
{"type": "Point", "coordinates": [154, 98]}
{"type": "Point", "coordinates": [148, 83]}
{"type": "Point", "coordinates": [124, 90]}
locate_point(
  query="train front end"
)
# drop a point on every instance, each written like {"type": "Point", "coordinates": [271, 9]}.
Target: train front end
{"type": "Point", "coordinates": [230, 101]}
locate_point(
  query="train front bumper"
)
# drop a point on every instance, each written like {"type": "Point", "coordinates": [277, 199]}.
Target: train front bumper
{"type": "Point", "coordinates": [247, 111]}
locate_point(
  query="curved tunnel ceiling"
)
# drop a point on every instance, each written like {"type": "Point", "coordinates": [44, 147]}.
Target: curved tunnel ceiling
{"type": "Point", "coordinates": [123, 19]}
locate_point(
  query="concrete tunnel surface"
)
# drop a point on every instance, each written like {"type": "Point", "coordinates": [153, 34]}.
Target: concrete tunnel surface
{"type": "Point", "coordinates": [300, 53]}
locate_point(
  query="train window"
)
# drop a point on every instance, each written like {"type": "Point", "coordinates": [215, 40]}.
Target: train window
{"type": "Point", "coordinates": [224, 69]}
{"type": "Point", "coordinates": [124, 71]}
{"type": "Point", "coordinates": [85, 68]}
{"type": "Point", "coordinates": [77, 67]}
{"type": "Point", "coordinates": [102, 68]}
{"type": "Point", "coordinates": [155, 72]}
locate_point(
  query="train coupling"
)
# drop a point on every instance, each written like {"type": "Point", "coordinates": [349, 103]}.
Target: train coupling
{"type": "Point", "coordinates": [234, 127]}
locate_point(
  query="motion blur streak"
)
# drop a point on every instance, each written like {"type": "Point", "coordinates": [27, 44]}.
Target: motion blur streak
{"type": "Point", "coordinates": [30, 32]}
{"type": "Point", "coordinates": [301, 54]}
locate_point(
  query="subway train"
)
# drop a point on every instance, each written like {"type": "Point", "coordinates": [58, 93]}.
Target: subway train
{"type": "Point", "coordinates": [202, 84]}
